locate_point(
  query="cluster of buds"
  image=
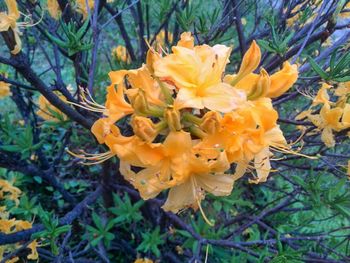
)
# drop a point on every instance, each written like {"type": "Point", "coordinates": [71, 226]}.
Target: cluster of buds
{"type": "Point", "coordinates": [191, 124]}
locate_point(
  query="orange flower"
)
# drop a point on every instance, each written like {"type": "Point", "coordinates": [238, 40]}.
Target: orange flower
{"type": "Point", "coordinates": [84, 8]}
{"type": "Point", "coordinates": [54, 9]}
{"type": "Point", "coordinates": [197, 74]}
{"type": "Point", "coordinates": [4, 88]}
{"type": "Point", "coordinates": [49, 112]}
{"type": "Point", "coordinates": [121, 54]}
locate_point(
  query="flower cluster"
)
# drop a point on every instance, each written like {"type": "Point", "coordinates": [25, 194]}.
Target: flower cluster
{"type": "Point", "coordinates": [189, 124]}
{"type": "Point", "coordinates": [11, 225]}
{"type": "Point", "coordinates": [329, 115]}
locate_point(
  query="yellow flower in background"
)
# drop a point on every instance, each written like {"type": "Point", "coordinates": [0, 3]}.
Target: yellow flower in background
{"type": "Point", "coordinates": [8, 191]}
{"type": "Point", "coordinates": [84, 8]}
{"type": "Point", "coordinates": [12, 225]}
{"type": "Point", "coordinates": [334, 116]}
{"type": "Point", "coordinates": [4, 88]}
{"type": "Point", "coordinates": [346, 13]}
{"type": "Point", "coordinates": [161, 38]}
{"type": "Point", "coordinates": [9, 20]}
{"type": "Point", "coordinates": [143, 260]}
{"type": "Point", "coordinates": [54, 9]}
{"type": "Point", "coordinates": [322, 96]}
{"type": "Point", "coordinates": [121, 54]}
{"type": "Point", "coordinates": [49, 112]}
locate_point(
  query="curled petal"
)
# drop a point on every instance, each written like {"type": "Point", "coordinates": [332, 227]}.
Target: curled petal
{"type": "Point", "coordinates": [283, 80]}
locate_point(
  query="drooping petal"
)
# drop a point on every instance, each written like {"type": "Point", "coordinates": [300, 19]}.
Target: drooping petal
{"type": "Point", "coordinates": [181, 196]}
{"type": "Point", "coordinates": [262, 166]}
{"type": "Point", "coordinates": [327, 137]}
{"type": "Point", "coordinates": [218, 184]}
{"type": "Point", "coordinates": [146, 181]}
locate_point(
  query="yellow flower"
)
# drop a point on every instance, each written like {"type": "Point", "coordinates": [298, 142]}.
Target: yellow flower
{"type": "Point", "coordinates": [121, 54]}
{"type": "Point", "coordinates": [84, 8]}
{"type": "Point", "coordinates": [204, 176]}
{"type": "Point", "coordinates": [54, 9]}
{"type": "Point", "coordinates": [8, 20]}
{"type": "Point", "coordinates": [322, 96]}
{"type": "Point", "coordinates": [186, 40]}
{"type": "Point", "coordinates": [170, 168]}
{"type": "Point", "coordinates": [327, 121]}
{"type": "Point", "coordinates": [143, 260]}
{"type": "Point", "coordinates": [6, 226]}
{"type": "Point", "coordinates": [160, 38]}
{"type": "Point", "coordinates": [34, 253]}
{"type": "Point", "coordinates": [9, 191]}
{"type": "Point", "coordinates": [347, 13]}
{"type": "Point", "coordinates": [4, 88]}
{"type": "Point", "coordinates": [196, 73]}
{"type": "Point", "coordinates": [49, 112]}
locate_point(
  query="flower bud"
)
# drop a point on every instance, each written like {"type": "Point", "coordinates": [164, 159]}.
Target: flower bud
{"type": "Point", "coordinates": [282, 80]}
{"type": "Point", "coordinates": [250, 62]}
{"type": "Point", "coordinates": [173, 118]}
{"type": "Point", "coordinates": [144, 128]}
{"type": "Point", "coordinates": [261, 87]}
{"type": "Point", "coordinates": [151, 57]}
{"type": "Point", "coordinates": [139, 102]}
{"type": "Point", "coordinates": [211, 122]}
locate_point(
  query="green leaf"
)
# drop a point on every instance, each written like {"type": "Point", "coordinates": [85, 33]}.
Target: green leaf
{"type": "Point", "coordinates": [318, 69]}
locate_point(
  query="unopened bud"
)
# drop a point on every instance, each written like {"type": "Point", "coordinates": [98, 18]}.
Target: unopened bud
{"type": "Point", "coordinates": [172, 117]}
{"type": "Point", "coordinates": [152, 56]}
{"type": "Point", "coordinates": [262, 86]}
{"type": "Point", "coordinates": [144, 128]}
{"type": "Point", "coordinates": [250, 62]}
{"type": "Point", "coordinates": [139, 102]}
{"type": "Point", "coordinates": [211, 122]}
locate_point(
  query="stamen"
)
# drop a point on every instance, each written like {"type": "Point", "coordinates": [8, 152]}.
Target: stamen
{"type": "Point", "coordinates": [101, 157]}
{"type": "Point", "coordinates": [281, 149]}
{"type": "Point", "coordinates": [206, 254]}
{"type": "Point", "coordinates": [91, 102]}
{"type": "Point", "coordinates": [89, 108]}
{"type": "Point", "coordinates": [203, 214]}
